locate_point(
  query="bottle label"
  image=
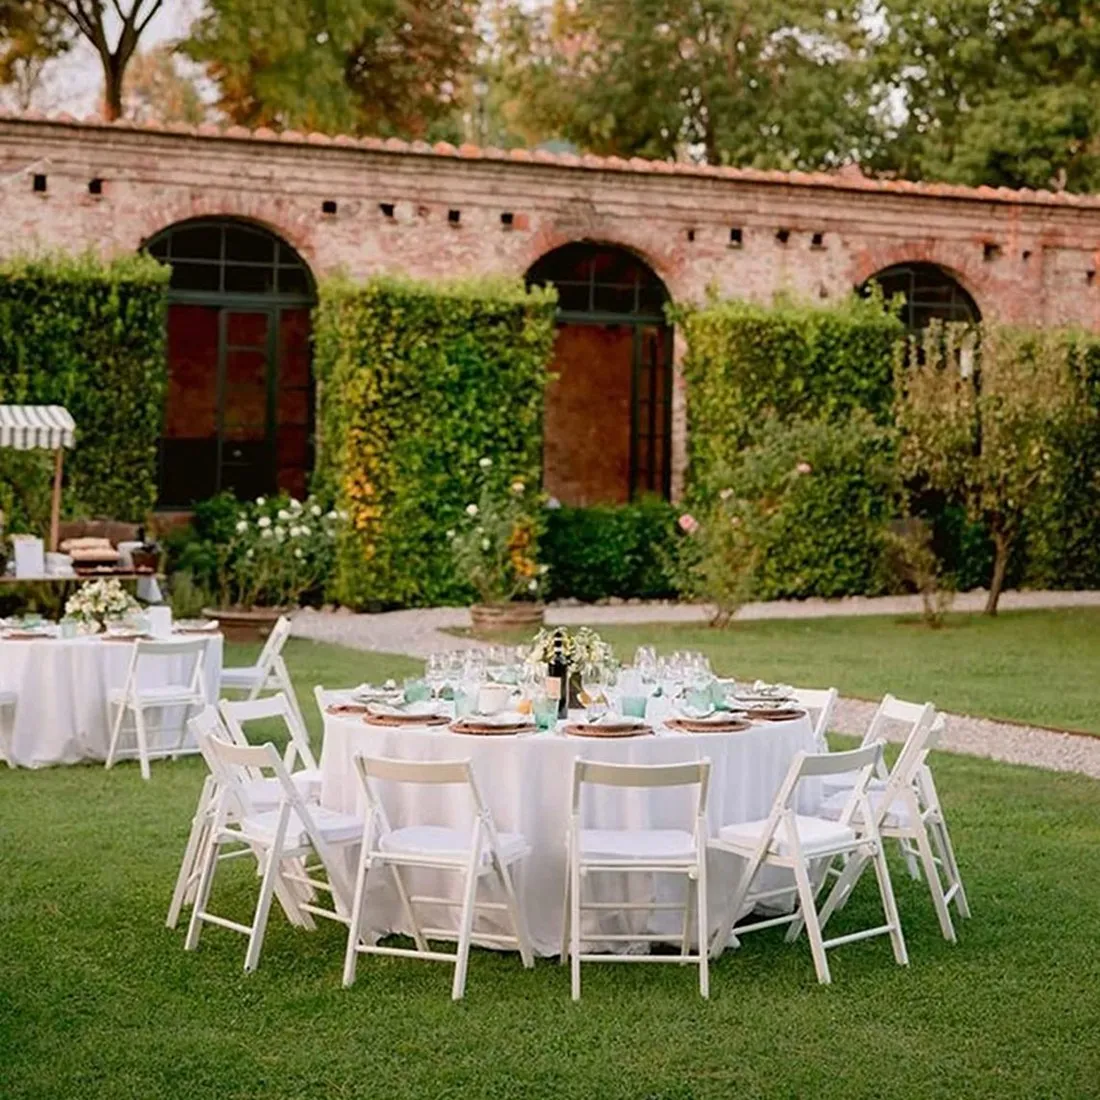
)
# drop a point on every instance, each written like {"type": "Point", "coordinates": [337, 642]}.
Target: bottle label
{"type": "Point", "coordinates": [553, 687]}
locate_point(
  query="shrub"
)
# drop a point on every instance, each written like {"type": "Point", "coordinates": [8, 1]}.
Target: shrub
{"type": "Point", "coordinates": [612, 550]}
{"type": "Point", "coordinates": [416, 383]}
{"type": "Point", "coordinates": [747, 365]}
{"type": "Point", "coordinates": [89, 335]}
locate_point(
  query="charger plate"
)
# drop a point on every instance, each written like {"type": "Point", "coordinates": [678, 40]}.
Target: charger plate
{"type": "Point", "coordinates": [397, 721]}
{"type": "Point", "coordinates": [490, 729]}
{"type": "Point", "coordinates": [699, 725]}
{"type": "Point", "coordinates": [774, 714]}
{"type": "Point", "coordinates": [603, 729]}
{"type": "Point", "coordinates": [339, 709]}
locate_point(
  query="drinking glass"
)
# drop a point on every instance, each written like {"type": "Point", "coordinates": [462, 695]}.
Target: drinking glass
{"type": "Point", "coordinates": [416, 690]}
{"type": "Point", "coordinates": [594, 684]}
{"type": "Point", "coordinates": [465, 700]}
{"type": "Point", "coordinates": [545, 709]}
{"type": "Point", "coordinates": [435, 672]}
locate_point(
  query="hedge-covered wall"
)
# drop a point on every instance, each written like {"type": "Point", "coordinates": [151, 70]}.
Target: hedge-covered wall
{"type": "Point", "coordinates": [416, 383]}
{"type": "Point", "coordinates": [748, 363]}
{"type": "Point", "coordinates": [89, 334]}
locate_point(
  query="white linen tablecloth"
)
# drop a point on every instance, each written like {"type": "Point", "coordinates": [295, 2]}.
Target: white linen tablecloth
{"type": "Point", "coordinates": [61, 687]}
{"type": "Point", "coordinates": [526, 782]}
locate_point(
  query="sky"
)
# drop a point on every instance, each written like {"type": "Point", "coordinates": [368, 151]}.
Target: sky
{"type": "Point", "coordinates": [74, 83]}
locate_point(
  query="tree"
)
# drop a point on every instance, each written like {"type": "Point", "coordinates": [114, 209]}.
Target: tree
{"type": "Point", "coordinates": [361, 66]}
{"type": "Point", "coordinates": [89, 19]}
{"type": "Point", "coordinates": [981, 413]}
{"type": "Point", "coordinates": [766, 82]}
{"type": "Point", "coordinates": [31, 34]}
{"type": "Point", "coordinates": [985, 92]}
{"type": "Point", "coordinates": [156, 89]}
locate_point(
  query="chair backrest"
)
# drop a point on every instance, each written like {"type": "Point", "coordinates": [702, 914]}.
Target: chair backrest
{"type": "Point", "coordinates": [237, 712]}
{"type": "Point", "coordinates": [822, 702]}
{"type": "Point", "coordinates": [148, 650]}
{"type": "Point", "coordinates": [273, 647]}
{"type": "Point", "coordinates": [691, 773]}
{"type": "Point", "coordinates": [910, 762]}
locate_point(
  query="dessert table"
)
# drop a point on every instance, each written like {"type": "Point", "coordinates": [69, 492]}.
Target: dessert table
{"type": "Point", "coordinates": [61, 687]}
{"type": "Point", "coordinates": [526, 781]}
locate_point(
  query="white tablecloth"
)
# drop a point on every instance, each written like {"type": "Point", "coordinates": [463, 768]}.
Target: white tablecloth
{"type": "Point", "coordinates": [526, 782]}
{"type": "Point", "coordinates": [61, 687]}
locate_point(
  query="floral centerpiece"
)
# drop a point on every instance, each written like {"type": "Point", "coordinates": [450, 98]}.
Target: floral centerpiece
{"type": "Point", "coordinates": [277, 550]}
{"type": "Point", "coordinates": [565, 653]}
{"type": "Point", "coordinates": [100, 602]}
{"type": "Point", "coordinates": [495, 550]}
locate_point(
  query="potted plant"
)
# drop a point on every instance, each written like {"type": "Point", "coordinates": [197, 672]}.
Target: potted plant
{"type": "Point", "coordinates": [280, 548]}
{"type": "Point", "coordinates": [100, 602]}
{"type": "Point", "coordinates": [495, 550]}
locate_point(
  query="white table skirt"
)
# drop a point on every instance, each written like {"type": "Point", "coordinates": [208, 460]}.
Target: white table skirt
{"type": "Point", "coordinates": [526, 782]}
{"type": "Point", "coordinates": [61, 687]}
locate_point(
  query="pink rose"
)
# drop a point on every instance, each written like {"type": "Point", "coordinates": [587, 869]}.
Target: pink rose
{"type": "Point", "coordinates": [688, 523]}
{"type": "Point", "coordinates": [804, 468]}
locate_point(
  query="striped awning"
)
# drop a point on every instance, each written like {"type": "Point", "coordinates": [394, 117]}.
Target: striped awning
{"type": "Point", "coordinates": [29, 427]}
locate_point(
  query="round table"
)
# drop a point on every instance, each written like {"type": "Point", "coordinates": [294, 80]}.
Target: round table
{"type": "Point", "coordinates": [526, 781]}
{"type": "Point", "coordinates": [61, 687]}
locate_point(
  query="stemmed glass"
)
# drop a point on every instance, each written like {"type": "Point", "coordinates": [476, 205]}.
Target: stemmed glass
{"type": "Point", "coordinates": [597, 679]}
{"type": "Point", "coordinates": [435, 672]}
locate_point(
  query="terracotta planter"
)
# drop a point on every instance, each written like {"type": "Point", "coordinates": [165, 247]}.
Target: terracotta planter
{"type": "Point", "coordinates": [245, 624]}
{"type": "Point", "coordinates": [493, 618]}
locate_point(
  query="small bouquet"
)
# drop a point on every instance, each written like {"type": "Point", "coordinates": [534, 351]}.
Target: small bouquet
{"type": "Point", "coordinates": [99, 602]}
{"type": "Point", "coordinates": [579, 647]}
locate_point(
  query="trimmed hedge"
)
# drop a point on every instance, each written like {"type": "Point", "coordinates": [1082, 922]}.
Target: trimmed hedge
{"type": "Point", "coordinates": [90, 335]}
{"type": "Point", "coordinates": [747, 364]}
{"type": "Point", "coordinates": [416, 383]}
{"type": "Point", "coordinates": [620, 551]}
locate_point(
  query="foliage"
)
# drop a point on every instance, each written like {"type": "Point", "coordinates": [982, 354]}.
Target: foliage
{"type": "Point", "coordinates": [911, 556]}
{"type": "Point", "coordinates": [100, 601]}
{"type": "Point", "coordinates": [748, 363]}
{"type": "Point", "coordinates": [388, 67]}
{"type": "Point", "coordinates": [619, 550]}
{"type": "Point", "coordinates": [495, 544]}
{"type": "Point", "coordinates": [417, 382]}
{"type": "Point", "coordinates": [157, 90]}
{"type": "Point", "coordinates": [32, 33]}
{"type": "Point", "coordinates": [981, 416]}
{"type": "Point", "coordinates": [574, 648]}
{"type": "Point", "coordinates": [264, 553]}
{"type": "Point", "coordinates": [760, 82]}
{"type": "Point", "coordinates": [89, 335]}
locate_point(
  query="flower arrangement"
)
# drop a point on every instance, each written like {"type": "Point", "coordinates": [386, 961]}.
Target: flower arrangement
{"type": "Point", "coordinates": [495, 547]}
{"type": "Point", "coordinates": [280, 549]}
{"type": "Point", "coordinates": [582, 646]}
{"type": "Point", "coordinates": [99, 602]}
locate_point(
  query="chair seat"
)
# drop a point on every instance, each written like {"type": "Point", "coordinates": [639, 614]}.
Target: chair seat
{"type": "Point", "coordinates": [334, 827]}
{"type": "Point", "coordinates": [815, 834]}
{"type": "Point", "coordinates": [453, 845]}
{"type": "Point", "coordinates": [169, 696]}
{"type": "Point", "coordinates": [897, 817]}
{"type": "Point", "coordinates": [266, 794]}
{"type": "Point", "coordinates": [636, 844]}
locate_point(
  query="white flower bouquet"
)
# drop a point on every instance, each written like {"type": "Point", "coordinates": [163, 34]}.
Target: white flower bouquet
{"type": "Point", "coordinates": [99, 602]}
{"type": "Point", "coordinates": [576, 648]}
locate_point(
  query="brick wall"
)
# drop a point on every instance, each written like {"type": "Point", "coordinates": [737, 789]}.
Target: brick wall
{"type": "Point", "coordinates": [1024, 256]}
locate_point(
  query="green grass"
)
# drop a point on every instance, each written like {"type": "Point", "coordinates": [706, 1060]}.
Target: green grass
{"type": "Point", "coordinates": [1037, 667]}
{"type": "Point", "coordinates": [99, 1000]}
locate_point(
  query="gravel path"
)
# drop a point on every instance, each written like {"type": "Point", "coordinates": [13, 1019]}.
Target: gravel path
{"type": "Point", "coordinates": [416, 633]}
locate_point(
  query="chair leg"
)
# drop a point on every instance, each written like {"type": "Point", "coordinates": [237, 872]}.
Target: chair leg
{"type": "Point", "coordinates": [355, 924]}
{"type": "Point", "coordinates": [574, 926]}
{"type": "Point", "coordinates": [116, 733]}
{"type": "Point", "coordinates": [407, 905]}
{"type": "Point", "coordinates": [724, 936]}
{"type": "Point", "coordinates": [466, 928]}
{"type": "Point", "coordinates": [565, 922]}
{"type": "Point", "coordinates": [685, 928]}
{"type": "Point", "coordinates": [702, 947]}
{"type": "Point", "coordinates": [942, 839]}
{"type": "Point", "coordinates": [142, 742]}
{"type": "Point", "coordinates": [842, 888]}
{"type": "Point", "coordinates": [890, 905]}
{"type": "Point", "coordinates": [935, 887]}
{"type": "Point", "coordinates": [809, 917]}
{"type": "Point", "coordinates": [202, 894]}
{"type": "Point", "coordinates": [263, 905]}
{"type": "Point", "coordinates": [191, 853]}
{"type": "Point", "coordinates": [519, 919]}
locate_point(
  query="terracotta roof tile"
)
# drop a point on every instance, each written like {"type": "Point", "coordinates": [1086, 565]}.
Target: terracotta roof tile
{"type": "Point", "coordinates": [848, 178]}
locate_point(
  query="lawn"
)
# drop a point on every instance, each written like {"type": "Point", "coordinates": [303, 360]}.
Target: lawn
{"type": "Point", "coordinates": [1037, 667]}
{"type": "Point", "coordinates": [99, 1000]}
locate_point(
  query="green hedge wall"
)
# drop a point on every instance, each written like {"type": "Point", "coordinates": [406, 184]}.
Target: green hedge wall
{"type": "Point", "coordinates": [747, 364]}
{"type": "Point", "coordinates": [89, 335]}
{"type": "Point", "coordinates": [416, 383]}
{"type": "Point", "coordinates": [611, 551]}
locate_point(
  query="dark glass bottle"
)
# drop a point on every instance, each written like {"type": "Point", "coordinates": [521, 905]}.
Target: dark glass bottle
{"type": "Point", "coordinates": [558, 671]}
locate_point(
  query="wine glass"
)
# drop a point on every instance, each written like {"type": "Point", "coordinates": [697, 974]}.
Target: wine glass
{"type": "Point", "coordinates": [594, 683]}
{"type": "Point", "coordinates": [435, 672]}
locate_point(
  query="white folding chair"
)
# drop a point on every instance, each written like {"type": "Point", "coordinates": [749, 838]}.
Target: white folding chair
{"type": "Point", "coordinates": [907, 808]}
{"type": "Point", "coordinates": [481, 852]}
{"type": "Point", "coordinates": [822, 703]}
{"type": "Point", "coordinates": [186, 693]}
{"type": "Point", "coordinates": [269, 673]}
{"type": "Point", "coordinates": [788, 839]}
{"type": "Point", "coordinates": [8, 700]}
{"type": "Point", "coordinates": [638, 851]}
{"type": "Point", "coordinates": [235, 713]}
{"type": "Point", "coordinates": [264, 795]}
{"type": "Point", "coordinates": [283, 837]}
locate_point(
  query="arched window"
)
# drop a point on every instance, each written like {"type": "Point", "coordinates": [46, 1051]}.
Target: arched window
{"type": "Point", "coordinates": [238, 414]}
{"type": "Point", "coordinates": [930, 294]}
{"type": "Point", "coordinates": [608, 425]}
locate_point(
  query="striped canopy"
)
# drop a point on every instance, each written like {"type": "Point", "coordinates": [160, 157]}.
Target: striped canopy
{"type": "Point", "coordinates": [27, 427]}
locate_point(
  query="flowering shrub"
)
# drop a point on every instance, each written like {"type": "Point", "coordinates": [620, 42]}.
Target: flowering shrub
{"type": "Point", "coordinates": [495, 548]}
{"type": "Point", "coordinates": [279, 549]}
{"type": "Point", "coordinates": [100, 601]}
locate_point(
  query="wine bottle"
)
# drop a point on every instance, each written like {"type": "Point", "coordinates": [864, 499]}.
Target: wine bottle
{"type": "Point", "coordinates": [558, 671]}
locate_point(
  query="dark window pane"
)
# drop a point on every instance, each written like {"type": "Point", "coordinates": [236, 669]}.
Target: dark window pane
{"type": "Point", "coordinates": [293, 280]}
{"type": "Point", "coordinates": [201, 242]}
{"type": "Point", "coordinates": [244, 244]}
{"type": "Point", "coordinates": [249, 280]}
{"type": "Point", "coordinates": [195, 276]}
